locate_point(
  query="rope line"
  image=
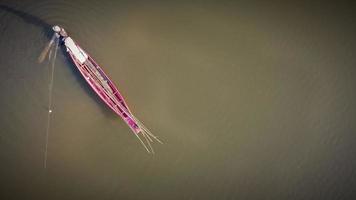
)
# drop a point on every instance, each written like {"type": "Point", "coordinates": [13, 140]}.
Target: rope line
{"type": "Point", "coordinates": [50, 103]}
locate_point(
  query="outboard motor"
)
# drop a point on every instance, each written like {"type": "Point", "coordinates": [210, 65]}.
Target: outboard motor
{"type": "Point", "coordinates": [60, 32]}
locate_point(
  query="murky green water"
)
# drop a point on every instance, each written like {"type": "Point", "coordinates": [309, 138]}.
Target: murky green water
{"type": "Point", "coordinates": [252, 100]}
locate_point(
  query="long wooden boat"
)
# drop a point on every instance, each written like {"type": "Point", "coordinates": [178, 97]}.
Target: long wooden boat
{"type": "Point", "coordinates": [103, 86]}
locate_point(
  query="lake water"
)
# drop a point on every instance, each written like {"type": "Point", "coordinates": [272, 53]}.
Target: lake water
{"type": "Point", "coordinates": [252, 101]}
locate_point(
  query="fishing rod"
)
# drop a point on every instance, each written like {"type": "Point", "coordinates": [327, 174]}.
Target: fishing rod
{"type": "Point", "coordinates": [42, 56]}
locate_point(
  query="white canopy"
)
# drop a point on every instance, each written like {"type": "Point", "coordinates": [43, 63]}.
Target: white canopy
{"type": "Point", "coordinates": [76, 51]}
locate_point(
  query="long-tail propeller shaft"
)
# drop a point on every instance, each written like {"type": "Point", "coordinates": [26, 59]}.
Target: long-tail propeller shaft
{"type": "Point", "coordinates": [45, 51]}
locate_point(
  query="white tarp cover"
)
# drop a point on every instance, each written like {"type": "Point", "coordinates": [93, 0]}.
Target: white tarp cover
{"type": "Point", "coordinates": [77, 52]}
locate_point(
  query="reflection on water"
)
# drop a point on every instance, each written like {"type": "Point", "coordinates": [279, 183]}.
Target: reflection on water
{"type": "Point", "coordinates": [252, 100]}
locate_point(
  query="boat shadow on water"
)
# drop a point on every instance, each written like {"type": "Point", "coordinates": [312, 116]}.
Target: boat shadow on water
{"type": "Point", "coordinates": [30, 19]}
{"type": "Point", "coordinates": [47, 30]}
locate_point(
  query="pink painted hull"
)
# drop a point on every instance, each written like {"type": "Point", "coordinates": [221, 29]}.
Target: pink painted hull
{"type": "Point", "coordinates": [122, 110]}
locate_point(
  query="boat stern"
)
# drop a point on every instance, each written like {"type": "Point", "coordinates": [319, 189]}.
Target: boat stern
{"type": "Point", "coordinates": [60, 31]}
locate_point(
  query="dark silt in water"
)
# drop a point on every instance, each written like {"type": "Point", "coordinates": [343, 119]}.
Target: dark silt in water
{"type": "Point", "coordinates": [252, 101]}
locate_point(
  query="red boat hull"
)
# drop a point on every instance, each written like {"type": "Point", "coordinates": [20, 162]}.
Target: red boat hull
{"type": "Point", "coordinates": [118, 104]}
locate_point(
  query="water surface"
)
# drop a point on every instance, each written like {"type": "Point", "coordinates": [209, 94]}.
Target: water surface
{"type": "Point", "coordinates": [252, 100]}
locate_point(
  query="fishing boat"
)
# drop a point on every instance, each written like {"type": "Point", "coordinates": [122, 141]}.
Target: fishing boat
{"type": "Point", "coordinates": [102, 85]}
